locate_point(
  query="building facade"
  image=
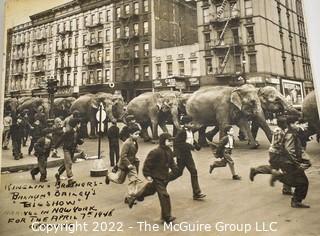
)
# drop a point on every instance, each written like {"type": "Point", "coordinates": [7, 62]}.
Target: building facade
{"type": "Point", "coordinates": [264, 41]}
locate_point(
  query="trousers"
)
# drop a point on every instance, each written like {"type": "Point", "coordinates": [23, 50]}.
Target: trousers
{"type": "Point", "coordinates": [42, 168]}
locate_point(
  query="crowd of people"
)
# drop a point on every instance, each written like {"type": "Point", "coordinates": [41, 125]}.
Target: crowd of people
{"type": "Point", "coordinates": [286, 164]}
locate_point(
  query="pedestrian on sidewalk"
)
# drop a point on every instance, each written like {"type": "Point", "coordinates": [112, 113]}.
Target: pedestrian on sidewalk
{"type": "Point", "coordinates": [16, 134]}
{"type": "Point", "coordinates": [128, 165]}
{"type": "Point", "coordinates": [70, 140]}
{"type": "Point", "coordinates": [26, 127]}
{"type": "Point", "coordinates": [293, 165]}
{"type": "Point", "coordinates": [156, 170]}
{"type": "Point", "coordinates": [276, 151]}
{"type": "Point", "coordinates": [224, 151]}
{"type": "Point", "coordinates": [113, 138]}
{"type": "Point", "coordinates": [36, 130]}
{"type": "Point", "coordinates": [42, 149]}
{"type": "Point", "coordinates": [184, 143]}
{"type": "Point", "coordinates": [7, 122]}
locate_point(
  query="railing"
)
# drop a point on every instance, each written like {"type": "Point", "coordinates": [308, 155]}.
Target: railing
{"type": "Point", "coordinates": [94, 42]}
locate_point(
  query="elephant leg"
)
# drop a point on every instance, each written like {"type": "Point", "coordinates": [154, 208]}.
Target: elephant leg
{"type": "Point", "coordinates": [93, 129]}
{"type": "Point", "coordinates": [254, 129]}
{"type": "Point", "coordinates": [155, 136]}
{"type": "Point", "coordinates": [202, 137]}
{"type": "Point", "coordinates": [144, 132]}
{"type": "Point", "coordinates": [210, 134]}
{"type": "Point", "coordinates": [244, 125]}
{"type": "Point", "coordinates": [84, 130]}
{"type": "Point", "coordinates": [164, 128]}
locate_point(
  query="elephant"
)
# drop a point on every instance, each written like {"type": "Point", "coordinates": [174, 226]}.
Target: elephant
{"type": "Point", "coordinates": [37, 107]}
{"type": "Point", "coordinates": [10, 105]}
{"type": "Point", "coordinates": [310, 114]}
{"type": "Point", "coordinates": [221, 105]}
{"type": "Point", "coordinates": [153, 109]}
{"type": "Point", "coordinates": [61, 106]}
{"type": "Point", "coordinates": [87, 105]}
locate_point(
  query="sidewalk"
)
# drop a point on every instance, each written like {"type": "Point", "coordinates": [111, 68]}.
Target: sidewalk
{"type": "Point", "coordinates": [8, 164]}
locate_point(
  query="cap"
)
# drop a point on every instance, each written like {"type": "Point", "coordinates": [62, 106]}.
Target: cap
{"type": "Point", "coordinates": [166, 136]}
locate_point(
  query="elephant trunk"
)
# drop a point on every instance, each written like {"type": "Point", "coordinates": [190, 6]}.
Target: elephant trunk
{"type": "Point", "coordinates": [175, 117]}
{"type": "Point", "coordinates": [261, 120]}
{"type": "Point", "coordinates": [110, 114]}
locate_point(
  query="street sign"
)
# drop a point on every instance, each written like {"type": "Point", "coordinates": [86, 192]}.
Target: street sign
{"type": "Point", "coordinates": [103, 115]}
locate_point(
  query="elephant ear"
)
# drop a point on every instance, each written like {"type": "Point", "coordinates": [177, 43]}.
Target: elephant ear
{"type": "Point", "coordinates": [236, 99]}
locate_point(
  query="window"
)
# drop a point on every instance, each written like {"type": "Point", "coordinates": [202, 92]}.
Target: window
{"type": "Point", "coordinates": [100, 36]}
{"type": "Point", "coordinates": [127, 9]}
{"type": "Point", "coordinates": [117, 33]}
{"type": "Point", "coordinates": [158, 70]}
{"type": "Point", "coordinates": [84, 78]}
{"type": "Point", "coordinates": [136, 73]}
{"type": "Point", "coordinates": [68, 79]}
{"type": "Point", "coordinates": [108, 15]}
{"type": "Point", "coordinates": [145, 27]}
{"type": "Point", "coordinates": [193, 65]}
{"type": "Point", "coordinates": [100, 55]}
{"type": "Point", "coordinates": [209, 68]}
{"type": "Point", "coordinates": [84, 39]}
{"type": "Point", "coordinates": [136, 8]}
{"type": "Point", "coordinates": [253, 63]}
{"type": "Point", "coordinates": [84, 58]}
{"type": "Point", "coordinates": [69, 60]}
{"type": "Point", "coordinates": [207, 40]}
{"type": "Point", "coordinates": [250, 34]}
{"type": "Point", "coordinates": [100, 17]}
{"type": "Point", "coordinates": [145, 5]}
{"type": "Point", "coordinates": [108, 35]}
{"type": "Point", "coordinates": [248, 7]}
{"type": "Point", "coordinates": [92, 38]}
{"type": "Point", "coordinates": [206, 16]}
{"type": "Point", "coordinates": [76, 42]}
{"type": "Point", "coordinates": [136, 50]}
{"type": "Point", "coordinates": [85, 21]}
{"type": "Point", "coordinates": [238, 64]}
{"type": "Point", "coordinates": [181, 67]}
{"type": "Point", "coordinates": [146, 72]}
{"type": "Point", "coordinates": [117, 73]}
{"type": "Point", "coordinates": [136, 29]}
{"type": "Point", "coordinates": [50, 48]}
{"type": "Point", "coordinates": [99, 76]}
{"type": "Point", "coordinates": [77, 24]}
{"type": "Point", "coordinates": [107, 75]}
{"type": "Point", "coordinates": [235, 33]}
{"type": "Point", "coordinates": [75, 79]}
{"type": "Point", "coordinates": [118, 12]}
{"type": "Point", "coordinates": [107, 55]}
{"type": "Point", "coordinates": [169, 68]}
{"type": "Point", "coordinates": [117, 53]}
{"type": "Point", "coordinates": [146, 49]}
{"type": "Point", "coordinates": [126, 31]}
{"type": "Point", "coordinates": [91, 77]}
{"type": "Point", "coordinates": [92, 56]}
{"type": "Point", "coordinates": [75, 60]}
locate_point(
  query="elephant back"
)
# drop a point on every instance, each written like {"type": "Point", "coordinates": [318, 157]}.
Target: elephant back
{"type": "Point", "coordinates": [310, 109]}
{"type": "Point", "coordinates": [82, 104]}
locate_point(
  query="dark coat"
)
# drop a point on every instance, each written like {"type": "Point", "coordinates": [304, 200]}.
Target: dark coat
{"type": "Point", "coordinates": [158, 162]}
{"type": "Point", "coordinates": [124, 133]}
{"type": "Point", "coordinates": [41, 150]}
{"type": "Point", "coordinates": [16, 131]}
{"type": "Point", "coordinates": [182, 149]}
{"type": "Point", "coordinates": [36, 132]}
{"type": "Point", "coordinates": [128, 154]}
{"type": "Point", "coordinates": [113, 135]}
{"type": "Point", "coordinates": [70, 140]}
{"type": "Point", "coordinates": [292, 147]}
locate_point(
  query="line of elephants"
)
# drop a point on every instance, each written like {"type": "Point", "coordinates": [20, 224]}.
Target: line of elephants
{"type": "Point", "coordinates": [209, 106]}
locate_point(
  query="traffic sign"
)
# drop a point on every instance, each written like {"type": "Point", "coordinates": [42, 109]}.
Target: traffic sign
{"type": "Point", "coordinates": [103, 115]}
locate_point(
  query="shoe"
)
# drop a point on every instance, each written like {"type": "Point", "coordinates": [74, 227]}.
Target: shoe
{"type": "Point", "coordinates": [70, 184]}
{"type": "Point", "coordinates": [131, 201]}
{"type": "Point", "coordinates": [211, 169]}
{"type": "Point", "coordinates": [33, 176]}
{"type": "Point", "coordinates": [236, 177]}
{"type": "Point", "coordinates": [252, 174]}
{"type": "Point", "coordinates": [21, 156]}
{"type": "Point", "coordinates": [199, 196]}
{"type": "Point", "coordinates": [274, 177]}
{"type": "Point", "coordinates": [107, 180]}
{"type": "Point", "coordinates": [57, 178]}
{"type": "Point", "coordinates": [43, 180]}
{"type": "Point", "coordinates": [169, 219]}
{"type": "Point", "coordinates": [296, 204]}
{"type": "Point", "coordinates": [287, 192]}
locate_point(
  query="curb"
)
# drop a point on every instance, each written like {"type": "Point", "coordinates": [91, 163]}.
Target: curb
{"type": "Point", "coordinates": [27, 167]}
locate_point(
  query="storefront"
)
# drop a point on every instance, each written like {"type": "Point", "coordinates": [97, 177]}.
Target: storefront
{"type": "Point", "coordinates": [183, 84]}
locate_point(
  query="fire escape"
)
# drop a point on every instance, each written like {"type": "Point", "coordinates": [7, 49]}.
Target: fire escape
{"type": "Point", "coordinates": [226, 45]}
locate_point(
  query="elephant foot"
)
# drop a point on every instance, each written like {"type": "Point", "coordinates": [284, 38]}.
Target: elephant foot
{"type": "Point", "coordinates": [203, 143]}
{"type": "Point", "coordinates": [254, 145]}
{"type": "Point", "coordinates": [242, 138]}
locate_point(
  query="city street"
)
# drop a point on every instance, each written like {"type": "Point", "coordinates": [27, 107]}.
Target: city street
{"type": "Point", "coordinates": [228, 201]}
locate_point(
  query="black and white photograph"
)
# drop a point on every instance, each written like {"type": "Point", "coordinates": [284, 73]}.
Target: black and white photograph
{"type": "Point", "coordinates": [159, 117]}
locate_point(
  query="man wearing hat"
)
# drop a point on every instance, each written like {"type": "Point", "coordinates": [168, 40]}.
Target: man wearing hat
{"type": "Point", "coordinates": [183, 145]}
{"type": "Point", "coordinates": [156, 170]}
{"type": "Point", "coordinates": [7, 122]}
{"type": "Point", "coordinates": [130, 124]}
{"type": "Point", "coordinates": [113, 138]}
{"type": "Point", "coordinates": [128, 164]}
{"type": "Point", "coordinates": [16, 134]}
{"type": "Point", "coordinates": [293, 164]}
{"type": "Point", "coordinates": [42, 149]}
{"type": "Point", "coordinates": [70, 140]}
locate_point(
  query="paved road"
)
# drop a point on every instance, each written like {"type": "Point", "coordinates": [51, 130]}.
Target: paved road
{"type": "Point", "coordinates": [228, 201]}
